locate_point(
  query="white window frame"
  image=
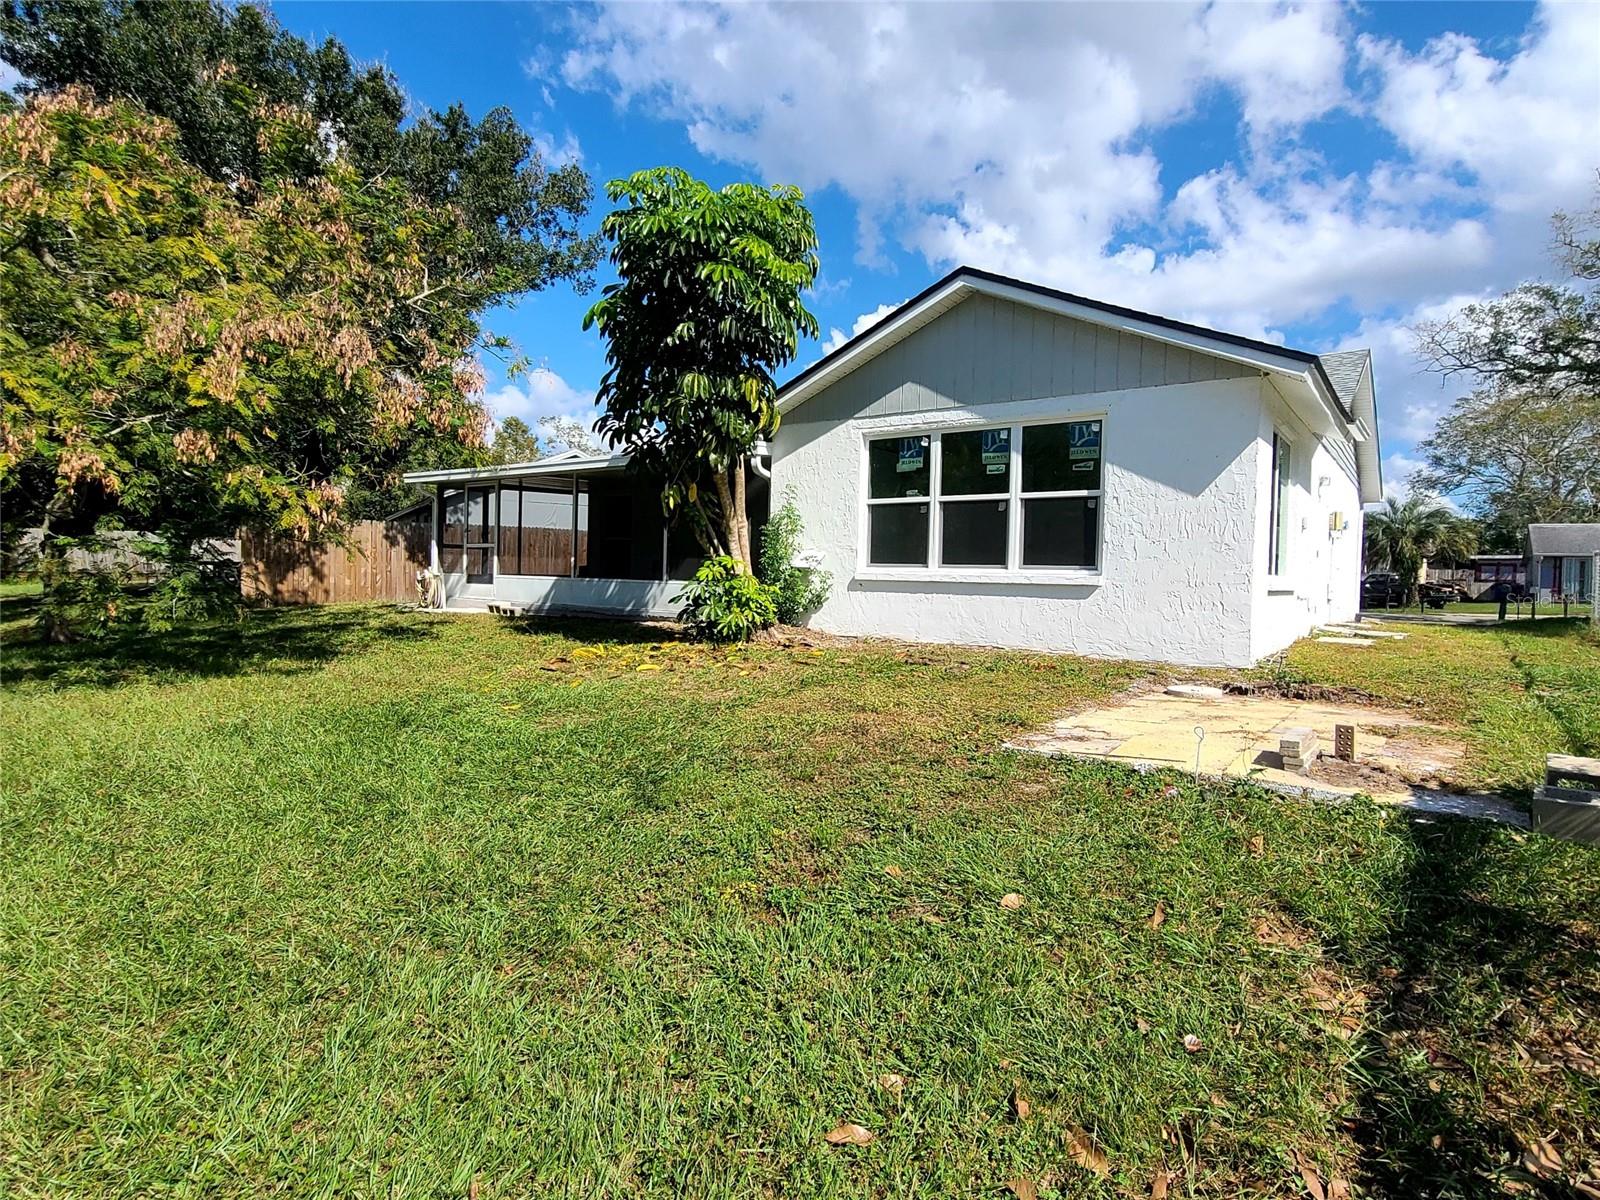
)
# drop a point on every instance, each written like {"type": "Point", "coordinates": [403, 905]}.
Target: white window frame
{"type": "Point", "coordinates": [1013, 571]}
{"type": "Point", "coordinates": [1278, 553]}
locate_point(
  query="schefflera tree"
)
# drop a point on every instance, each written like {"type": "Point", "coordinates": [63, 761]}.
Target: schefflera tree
{"type": "Point", "coordinates": [707, 306]}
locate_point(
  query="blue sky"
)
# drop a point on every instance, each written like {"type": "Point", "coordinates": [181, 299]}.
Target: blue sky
{"type": "Point", "coordinates": [1322, 175]}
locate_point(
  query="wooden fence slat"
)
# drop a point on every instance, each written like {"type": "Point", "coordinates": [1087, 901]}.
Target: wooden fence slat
{"type": "Point", "coordinates": [380, 563]}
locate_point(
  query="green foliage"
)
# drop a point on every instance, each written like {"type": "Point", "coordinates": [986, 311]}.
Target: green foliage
{"type": "Point", "coordinates": [725, 603]}
{"type": "Point", "coordinates": [87, 602]}
{"type": "Point", "coordinates": [1403, 534]}
{"type": "Point", "coordinates": [1525, 446]}
{"type": "Point", "coordinates": [514, 442]}
{"type": "Point", "coordinates": [177, 362]}
{"type": "Point", "coordinates": [798, 591]}
{"type": "Point", "coordinates": [226, 75]}
{"type": "Point", "coordinates": [707, 307]}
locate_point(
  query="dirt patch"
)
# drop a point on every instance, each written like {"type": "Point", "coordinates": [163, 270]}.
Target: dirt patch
{"type": "Point", "coordinates": [1369, 777]}
{"type": "Point", "coordinates": [1301, 691]}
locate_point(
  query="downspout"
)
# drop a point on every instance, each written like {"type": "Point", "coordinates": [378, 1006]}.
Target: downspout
{"type": "Point", "coordinates": [755, 465]}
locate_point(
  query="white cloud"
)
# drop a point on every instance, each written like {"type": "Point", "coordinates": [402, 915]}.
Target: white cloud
{"type": "Point", "coordinates": [838, 337]}
{"type": "Point", "coordinates": [558, 154]}
{"type": "Point", "coordinates": [1019, 138]}
{"type": "Point", "coordinates": [541, 393]}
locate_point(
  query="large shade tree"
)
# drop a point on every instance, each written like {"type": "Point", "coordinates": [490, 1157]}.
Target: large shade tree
{"type": "Point", "coordinates": [707, 306]}
{"type": "Point", "coordinates": [175, 361]}
{"type": "Point", "coordinates": [1524, 444]}
{"type": "Point", "coordinates": [1404, 534]}
{"type": "Point", "coordinates": [224, 73]}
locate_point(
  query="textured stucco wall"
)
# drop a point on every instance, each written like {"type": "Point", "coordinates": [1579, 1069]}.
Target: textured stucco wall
{"type": "Point", "coordinates": [1181, 485]}
{"type": "Point", "coordinates": [1322, 579]}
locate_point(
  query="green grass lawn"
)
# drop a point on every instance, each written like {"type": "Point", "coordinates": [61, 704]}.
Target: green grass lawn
{"type": "Point", "coordinates": [351, 902]}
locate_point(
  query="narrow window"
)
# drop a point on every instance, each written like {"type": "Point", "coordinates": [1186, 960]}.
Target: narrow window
{"type": "Point", "coordinates": [1061, 488]}
{"type": "Point", "coordinates": [1282, 466]}
{"type": "Point", "coordinates": [899, 474]}
{"type": "Point", "coordinates": [975, 466]}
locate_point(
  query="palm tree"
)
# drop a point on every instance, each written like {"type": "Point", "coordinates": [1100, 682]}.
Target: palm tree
{"type": "Point", "coordinates": [1404, 534]}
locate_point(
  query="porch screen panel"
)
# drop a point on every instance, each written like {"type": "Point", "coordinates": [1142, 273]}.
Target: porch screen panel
{"type": "Point", "coordinates": [542, 537]}
{"type": "Point", "coordinates": [453, 531]}
{"type": "Point", "coordinates": [621, 530]}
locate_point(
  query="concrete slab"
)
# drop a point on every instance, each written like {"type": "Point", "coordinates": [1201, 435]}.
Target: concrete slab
{"type": "Point", "coordinates": [1347, 641]}
{"type": "Point", "coordinates": [1400, 765]}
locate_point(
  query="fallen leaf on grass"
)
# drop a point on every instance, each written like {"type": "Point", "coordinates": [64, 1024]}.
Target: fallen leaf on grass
{"type": "Point", "coordinates": [1192, 1044]}
{"type": "Point", "coordinates": [1539, 1158]}
{"type": "Point", "coordinates": [1338, 1189]}
{"type": "Point", "coordinates": [1020, 1108]}
{"type": "Point", "coordinates": [1086, 1152]}
{"type": "Point", "coordinates": [1012, 901]}
{"type": "Point", "coordinates": [648, 667]}
{"type": "Point", "coordinates": [1258, 846]}
{"type": "Point", "coordinates": [509, 707]}
{"type": "Point", "coordinates": [1159, 1185]}
{"type": "Point", "coordinates": [1309, 1176]}
{"type": "Point", "coordinates": [1159, 917]}
{"type": "Point", "coordinates": [472, 1189]}
{"type": "Point", "coordinates": [846, 1134]}
{"type": "Point", "coordinates": [893, 871]}
{"type": "Point", "coordinates": [1023, 1188]}
{"type": "Point", "coordinates": [891, 1081]}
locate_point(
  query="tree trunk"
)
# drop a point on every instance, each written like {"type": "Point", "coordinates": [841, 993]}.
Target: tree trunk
{"type": "Point", "coordinates": [731, 522]}
{"type": "Point", "coordinates": [741, 516]}
{"type": "Point", "coordinates": [52, 567]}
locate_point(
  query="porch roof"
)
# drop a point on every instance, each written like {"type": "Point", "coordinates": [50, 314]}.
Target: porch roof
{"type": "Point", "coordinates": [570, 462]}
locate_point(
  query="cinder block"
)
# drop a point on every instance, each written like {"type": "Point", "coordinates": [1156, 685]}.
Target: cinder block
{"type": "Point", "coordinates": [1344, 742]}
{"type": "Point", "coordinates": [1569, 813]}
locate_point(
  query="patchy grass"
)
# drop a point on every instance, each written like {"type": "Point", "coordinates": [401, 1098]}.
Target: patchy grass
{"type": "Point", "coordinates": [357, 902]}
{"type": "Point", "coordinates": [1515, 692]}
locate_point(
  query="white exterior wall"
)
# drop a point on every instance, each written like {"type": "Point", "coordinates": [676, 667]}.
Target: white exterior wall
{"type": "Point", "coordinates": [1321, 579]}
{"type": "Point", "coordinates": [1179, 531]}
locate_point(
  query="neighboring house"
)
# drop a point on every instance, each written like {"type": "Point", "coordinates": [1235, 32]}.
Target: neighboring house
{"type": "Point", "coordinates": [1562, 559]}
{"type": "Point", "coordinates": [997, 463]}
{"type": "Point", "coordinates": [1483, 575]}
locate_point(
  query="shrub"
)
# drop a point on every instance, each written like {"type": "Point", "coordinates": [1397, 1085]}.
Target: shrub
{"type": "Point", "coordinates": [725, 603]}
{"type": "Point", "coordinates": [799, 591]}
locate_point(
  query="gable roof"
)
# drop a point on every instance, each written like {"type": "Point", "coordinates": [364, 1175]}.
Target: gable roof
{"type": "Point", "coordinates": [938, 298]}
{"type": "Point", "coordinates": [1552, 541]}
{"type": "Point", "coordinates": [1301, 367]}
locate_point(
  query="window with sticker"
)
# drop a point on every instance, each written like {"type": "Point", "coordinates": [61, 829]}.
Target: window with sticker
{"type": "Point", "coordinates": [1022, 497]}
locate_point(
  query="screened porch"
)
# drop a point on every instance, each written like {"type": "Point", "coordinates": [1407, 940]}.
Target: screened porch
{"type": "Point", "coordinates": [572, 533]}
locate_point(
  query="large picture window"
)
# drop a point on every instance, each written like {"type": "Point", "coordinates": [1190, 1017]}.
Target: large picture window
{"type": "Point", "coordinates": [1008, 497]}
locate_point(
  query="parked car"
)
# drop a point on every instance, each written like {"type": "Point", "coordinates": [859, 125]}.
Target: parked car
{"type": "Point", "coordinates": [1382, 589]}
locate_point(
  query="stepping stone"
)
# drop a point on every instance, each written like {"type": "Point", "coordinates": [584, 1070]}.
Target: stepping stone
{"type": "Point", "coordinates": [1347, 641]}
{"type": "Point", "coordinates": [1195, 691]}
{"type": "Point", "coordinates": [1358, 631]}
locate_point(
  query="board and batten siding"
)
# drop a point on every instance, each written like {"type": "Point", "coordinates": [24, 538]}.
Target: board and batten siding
{"type": "Point", "coordinates": [987, 351]}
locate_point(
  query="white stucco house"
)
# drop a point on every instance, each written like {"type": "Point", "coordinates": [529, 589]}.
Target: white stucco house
{"type": "Point", "coordinates": [998, 463]}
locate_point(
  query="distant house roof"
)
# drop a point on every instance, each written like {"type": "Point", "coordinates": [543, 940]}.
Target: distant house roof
{"type": "Point", "coordinates": [1560, 541]}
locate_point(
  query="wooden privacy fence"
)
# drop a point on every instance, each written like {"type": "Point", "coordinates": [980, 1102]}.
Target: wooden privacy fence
{"type": "Point", "coordinates": [380, 562]}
